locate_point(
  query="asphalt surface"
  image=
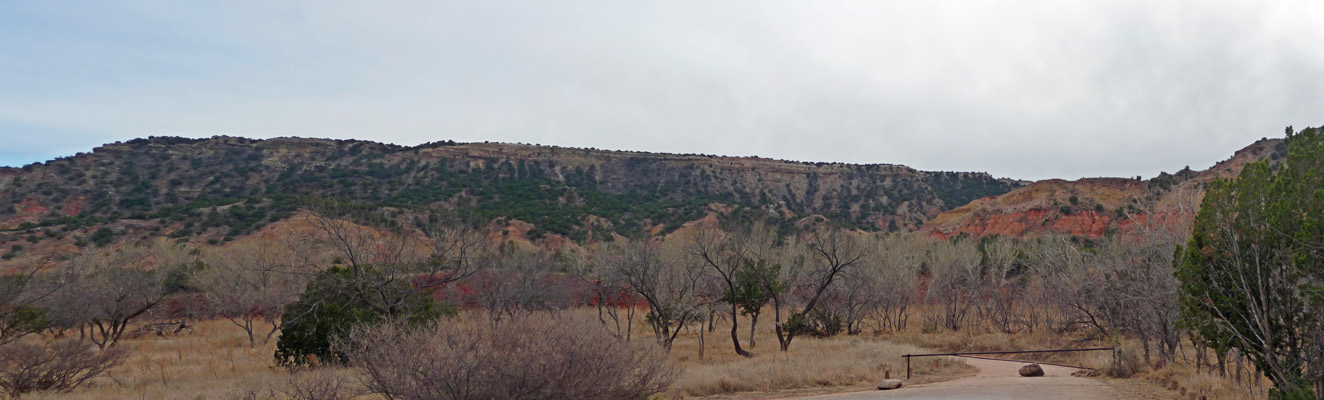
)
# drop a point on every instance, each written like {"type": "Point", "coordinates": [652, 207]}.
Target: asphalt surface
{"type": "Point", "coordinates": [996, 380]}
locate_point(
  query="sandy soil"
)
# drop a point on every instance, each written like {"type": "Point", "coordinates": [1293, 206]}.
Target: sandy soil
{"type": "Point", "coordinates": [996, 380]}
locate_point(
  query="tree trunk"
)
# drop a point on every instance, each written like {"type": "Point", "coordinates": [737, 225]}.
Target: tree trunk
{"type": "Point", "coordinates": [783, 342]}
{"type": "Point", "coordinates": [629, 321]}
{"type": "Point", "coordinates": [275, 326]}
{"type": "Point", "coordinates": [753, 323]}
{"type": "Point", "coordinates": [735, 333]}
{"type": "Point", "coordinates": [701, 345]}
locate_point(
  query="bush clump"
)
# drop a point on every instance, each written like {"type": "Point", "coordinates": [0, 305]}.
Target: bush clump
{"type": "Point", "coordinates": [341, 299]}
{"type": "Point", "coordinates": [532, 357]}
{"type": "Point", "coordinates": [59, 365]}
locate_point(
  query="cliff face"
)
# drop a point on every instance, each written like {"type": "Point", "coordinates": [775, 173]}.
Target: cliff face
{"type": "Point", "coordinates": [224, 188]}
{"type": "Point", "coordinates": [1094, 207]}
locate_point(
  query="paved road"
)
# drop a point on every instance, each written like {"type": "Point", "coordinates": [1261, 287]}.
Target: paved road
{"type": "Point", "coordinates": [996, 380]}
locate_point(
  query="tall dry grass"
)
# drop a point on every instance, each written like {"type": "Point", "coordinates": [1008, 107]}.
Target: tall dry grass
{"type": "Point", "coordinates": [214, 362]}
{"type": "Point", "coordinates": [839, 363]}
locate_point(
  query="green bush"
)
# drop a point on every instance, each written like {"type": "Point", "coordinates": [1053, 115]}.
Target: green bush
{"type": "Point", "coordinates": [102, 237]}
{"type": "Point", "coordinates": [339, 300]}
{"type": "Point", "coordinates": [816, 323]}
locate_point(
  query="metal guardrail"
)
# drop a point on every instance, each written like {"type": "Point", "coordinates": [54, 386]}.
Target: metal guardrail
{"type": "Point", "coordinates": [909, 371]}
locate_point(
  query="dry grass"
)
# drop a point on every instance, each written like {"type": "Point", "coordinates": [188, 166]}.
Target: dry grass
{"type": "Point", "coordinates": [838, 363]}
{"type": "Point", "coordinates": [214, 362]}
{"type": "Point", "coordinates": [812, 363]}
{"type": "Point", "coordinates": [1184, 382]}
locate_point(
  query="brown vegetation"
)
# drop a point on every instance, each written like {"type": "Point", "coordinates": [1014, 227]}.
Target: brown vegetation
{"type": "Point", "coordinates": [527, 357]}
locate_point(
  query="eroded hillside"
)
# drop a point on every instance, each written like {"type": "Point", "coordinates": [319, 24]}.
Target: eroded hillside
{"type": "Point", "coordinates": [211, 191]}
{"type": "Point", "coordinates": [1094, 207]}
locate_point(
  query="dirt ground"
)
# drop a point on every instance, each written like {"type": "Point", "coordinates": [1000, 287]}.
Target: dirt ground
{"type": "Point", "coordinates": [1000, 380]}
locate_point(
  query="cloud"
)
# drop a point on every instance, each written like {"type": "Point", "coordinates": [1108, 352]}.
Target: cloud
{"type": "Point", "coordinates": [1023, 89]}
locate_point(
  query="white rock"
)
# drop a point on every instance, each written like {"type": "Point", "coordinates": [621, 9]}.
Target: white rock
{"type": "Point", "coordinates": [889, 384]}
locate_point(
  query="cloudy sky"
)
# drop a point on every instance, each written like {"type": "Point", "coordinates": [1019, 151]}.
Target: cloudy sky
{"type": "Point", "coordinates": [1051, 89]}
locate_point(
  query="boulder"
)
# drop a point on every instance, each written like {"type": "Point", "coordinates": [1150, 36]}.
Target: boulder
{"type": "Point", "coordinates": [1032, 370]}
{"type": "Point", "coordinates": [889, 384]}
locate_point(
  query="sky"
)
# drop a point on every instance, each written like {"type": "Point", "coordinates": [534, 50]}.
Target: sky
{"type": "Point", "coordinates": [1020, 89]}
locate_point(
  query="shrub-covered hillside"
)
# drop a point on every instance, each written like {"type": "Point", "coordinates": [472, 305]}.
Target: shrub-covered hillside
{"type": "Point", "coordinates": [226, 187]}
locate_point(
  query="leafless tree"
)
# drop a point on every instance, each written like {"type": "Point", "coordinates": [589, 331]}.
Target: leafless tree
{"type": "Point", "coordinates": [1150, 284]}
{"type": "Point", "coordinates": [362, 246]}
{"type": "Point", "coordinates": [898, 276]}
{"type": "Point", "coordinates": [615, 301]}
{"type": "Point", "coordinates": [724, 255]}
{"type": "Point", "coordinates": [252, 282]}
{"type": "Point", "coordinates": [522, 282]}
{"type": "Point", "coordinates": [1053, 262]}
{"type": "Point", "coordinates": [1142, 290]}
{"type": "Point", "coordinates": [383, 255]}
{"type": "Point", "coordinates": [1002, 288]}
{"type": "Point", "coordinates": [708, 310]}
{"type": "Point", "coordinates": [106, 291]}
{"type": "Point", "coordinates": [21, 294]}
{"type": "Point", "coordinates": [658, 274]}
{"type": "Point", "coordinates": [855, 297]}
{"type": "Point", "coordinates": [453, 250]}
{"type": "Point", "coordinates": [954, 281]}
{"type": "Point", "coordinates": [829, 252]}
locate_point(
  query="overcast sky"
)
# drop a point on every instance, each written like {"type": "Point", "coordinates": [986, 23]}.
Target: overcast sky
{"type": "Point", "coordinates": [1031, 90]}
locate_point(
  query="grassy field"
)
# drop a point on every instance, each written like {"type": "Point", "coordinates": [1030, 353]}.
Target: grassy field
{"type": "Point", "coordinates": [213, 361]}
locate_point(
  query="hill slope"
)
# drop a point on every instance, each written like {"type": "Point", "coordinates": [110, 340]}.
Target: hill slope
{"type": "Point", "coordinates": [1093, 207]}
{"type": "Point", "coordinates": [222, 188]}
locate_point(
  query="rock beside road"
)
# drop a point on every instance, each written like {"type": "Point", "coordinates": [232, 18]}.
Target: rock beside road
{"type": "Point", "coordinates": [1032, 370]}
{"type": "Point", "coordinates": [889, 384]}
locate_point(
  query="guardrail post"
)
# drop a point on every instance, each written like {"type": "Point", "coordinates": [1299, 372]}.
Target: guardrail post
{"type": "Point", "coordinates": [908, 370]}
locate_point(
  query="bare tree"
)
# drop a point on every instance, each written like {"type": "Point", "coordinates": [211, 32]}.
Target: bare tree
{"type": "Point", "coordinates": [361, 246]}
{"type": "Point", "coordinates": [381, 257]}
{"type": "Point", "coordinates": [106, 291]}
{"type": "Point", "coordinates": [954, 281]}
{"type": "Point", "coordinates": [663, 279]}
{"type": "Point", "coordinates": [897, 275]}
{"type": "Point", "coordinates": [522, 282]}
{"type": "Point", "coordinates": [454, 249]}
{"type": "Point", "coordinates": [616, 303]}
{"type": "Point", "coordinates": [21, 294]}
{"type": "Point", "coordinates": [831, 252]}
{"type": "Point", "coordinates": [1053, 267]}
{"type": "Point", "coordinates": [724, 255]}
{"type": "Point", "coordinates": [1002, 289]}
{"type": "Point", "coordinates": [252, 282]}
